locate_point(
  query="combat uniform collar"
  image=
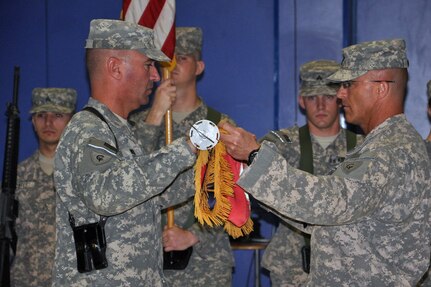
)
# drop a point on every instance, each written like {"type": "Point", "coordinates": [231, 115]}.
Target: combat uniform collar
{"type": "Point", "coordinates": [112, 118]}
{"type": "Point", "coordinates": [384, 127]}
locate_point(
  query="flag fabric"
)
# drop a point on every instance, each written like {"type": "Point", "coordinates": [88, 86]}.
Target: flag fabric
{"type": "Point", "coordinates": [158, 15]}
{"type": "Point", "coordinates": [216, 173]}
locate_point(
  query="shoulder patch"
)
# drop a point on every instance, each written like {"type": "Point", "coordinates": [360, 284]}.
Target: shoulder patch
{"type": "Point", "coordinates": [351, 166]}
{"type": "Point", "coordinates": [99, 158]}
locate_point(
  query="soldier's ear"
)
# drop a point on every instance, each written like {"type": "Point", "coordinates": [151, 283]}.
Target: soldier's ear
{"type": "Point", "coordinates": [200, 67]}
{"type": "Point", "coordinates": [301, 102]}
{"type": "Point", "coordinates": [382, 89]}
{"type": "Point", "coordinates": [113, 67]}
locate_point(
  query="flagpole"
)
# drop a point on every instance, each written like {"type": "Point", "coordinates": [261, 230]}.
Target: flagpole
{"type": "Point", "coordinates": [166, 74]}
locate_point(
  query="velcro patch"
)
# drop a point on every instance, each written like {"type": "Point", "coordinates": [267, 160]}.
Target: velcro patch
{"type": "Point", "coordinates": [99, 158]}
{"type": "Point", "coordinates": [101, 152]}
{"type": "Point", "coordinates": [349, 167]}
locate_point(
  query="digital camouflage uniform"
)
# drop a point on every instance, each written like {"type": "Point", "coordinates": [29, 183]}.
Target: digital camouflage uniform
{"type": "Point", "coordinates": [125, 187]}
{"type": "Point", "coordinates": [426, 280]}
{"type": "Point", "coordinates": [211, 261]}
{"type": "Point", "coordinates": [282, 256]}
{"type": "Point", "coordinates": [370, 216]}
{"type": "Point", "coordinates": [35, 225]}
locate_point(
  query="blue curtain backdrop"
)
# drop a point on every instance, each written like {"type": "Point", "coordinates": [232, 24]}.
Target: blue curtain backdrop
{"type": "Point", "coordinates": [252, 49]}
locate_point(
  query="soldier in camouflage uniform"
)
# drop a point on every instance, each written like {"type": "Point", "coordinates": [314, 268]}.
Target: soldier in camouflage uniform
{"type": "Point", "coordinates": [426, 280]}
{"type": "Point", "coordinates": [35, 226]}
{"type": "Point", "coordinates": [428, 139]}
{"type": "Point", "coordinates": [371, 216]}
{"type": "Point", "coordinates": [102, 170]}
{"type": "Point", "coordinates": [211, 261]}
{"type": "Point", "coordinates": [328, 147]}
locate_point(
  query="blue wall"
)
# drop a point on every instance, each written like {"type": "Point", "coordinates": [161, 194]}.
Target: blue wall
{"type": "Point", "coordinates": [252, 49]}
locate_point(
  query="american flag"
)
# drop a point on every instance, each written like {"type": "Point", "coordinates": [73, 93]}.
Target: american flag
{"type": "Point", "coordinates": [158, 15]}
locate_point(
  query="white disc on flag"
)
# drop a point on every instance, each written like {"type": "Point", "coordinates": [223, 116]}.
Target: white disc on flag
{"type": "Point", "coordinates": [204, 134]}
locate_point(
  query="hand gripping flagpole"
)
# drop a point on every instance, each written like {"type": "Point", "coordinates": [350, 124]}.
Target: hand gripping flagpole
{"type": "Point", "coordinates": [167, 68]}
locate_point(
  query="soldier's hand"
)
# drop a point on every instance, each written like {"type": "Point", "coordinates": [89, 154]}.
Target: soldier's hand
{"type": "Point", "coordinates": [165, 96]}
{"type": "Point", "coordinates": [239, 142]}
{"type": "Point", "coordinates": [176, 238]}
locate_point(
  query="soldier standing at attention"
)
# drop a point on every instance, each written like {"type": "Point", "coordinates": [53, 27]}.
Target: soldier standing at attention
{"type": "Point", "coordinates": [52, 109]}
{"type": "Point", "coordinates": [109, 189]}
{"type": "Point", "coordinates": [211, 260]}
{"type": "Point", "coordinates": [428, 139]}
{"type": "Point", "coordinates": [426, 280]}
{"type": "Point", "coordinates": [371, 215]}
{"type": "Point", "coordinates": [318, 148]}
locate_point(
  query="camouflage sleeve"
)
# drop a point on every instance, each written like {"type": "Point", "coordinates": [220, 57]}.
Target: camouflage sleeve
{"type": "Point", "coordinates": [180, 190]}
{"type": "Point", "coordinates": [320, 200]}
{"type": "Point", "coordinates": [110, 183]}
{"type": "Point", "coordinates": [301, 226]}
{"type": "Point", "coordinates": [285, 140]}
{"type": "Point", "coordinates": [148, 134]}
{"type": "Point", "coordinates": [213, 242]}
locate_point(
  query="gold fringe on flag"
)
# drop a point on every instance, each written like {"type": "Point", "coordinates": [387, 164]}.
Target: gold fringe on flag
{"type": "Point", "coordinates": [215, 171]}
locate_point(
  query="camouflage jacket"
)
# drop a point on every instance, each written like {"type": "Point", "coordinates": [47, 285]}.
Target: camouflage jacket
{"type": "Point", "coordinates": [35, 225]}
{"type": "Point", "coordinates": [211, 261]}
{"type": "Point", "coordinates": [283, 254]}
{"type": "Point", "coordinates": [124, 186]}
{"type": "Point", "coordinates": [371, 215]}
{"type": "Point", "coordinates": [426, 279]}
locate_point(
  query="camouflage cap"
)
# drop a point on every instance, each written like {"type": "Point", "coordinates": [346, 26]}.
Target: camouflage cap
{"type": "Point", "coordinates": [55, 100]}
{"type": "Point", "coordinates": [429, 89]}
{"type": "Point", "coordinates": [188, 40]}
{"type": "Point", "coordinates": [122, 35]}
{"type": "Point", "coordinates": [313, 76]}
{"type": "Point", "coordinates": [375, 55]}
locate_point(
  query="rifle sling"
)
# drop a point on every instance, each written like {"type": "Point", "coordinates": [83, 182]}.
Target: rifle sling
{"type": "Point", "coordinates": [306, 152]}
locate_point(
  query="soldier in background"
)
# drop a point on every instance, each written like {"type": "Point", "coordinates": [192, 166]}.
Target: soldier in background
{"type": "Point", "coordinates": [35, 226]}
{"type": "Point", "coordinates": [371, 216]}
{"type": "Point", "coordinates": [211, 261]}
{"type": "Point", "coordinates": [322, 143]}
{"type": "Point", "coordinates": [428, 139]}
{"type": "Point", "coordinates": [426, 280]}
{"type": "Point", "coordinates": [103, 177]}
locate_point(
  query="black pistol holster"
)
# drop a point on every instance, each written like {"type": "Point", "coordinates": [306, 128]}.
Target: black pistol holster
{"type": "Point", "coordinates": [90, 244]}
{"type": "Point", "coordinates": [177, 260]}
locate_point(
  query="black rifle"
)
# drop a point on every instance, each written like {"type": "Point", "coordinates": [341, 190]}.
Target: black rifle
{"type": "Point", "coordinates": [8, 204]}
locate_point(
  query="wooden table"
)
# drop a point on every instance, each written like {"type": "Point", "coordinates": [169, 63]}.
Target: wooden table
{"type": "Point", "coordinates": [256, 246]}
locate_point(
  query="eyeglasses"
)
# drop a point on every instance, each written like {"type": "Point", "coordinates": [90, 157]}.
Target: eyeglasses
{"type": "Point", "coordinates": [348, 84]}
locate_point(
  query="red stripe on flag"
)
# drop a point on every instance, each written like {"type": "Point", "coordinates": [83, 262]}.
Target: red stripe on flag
{"type": "Point", "coordinates": [168, 47]}
{"type": "Point", "coordinates": [158, 15]}
{"type": "Point", "coordinates": [126, 4]}
{"type": "Point", "coordinates": [151, 13]}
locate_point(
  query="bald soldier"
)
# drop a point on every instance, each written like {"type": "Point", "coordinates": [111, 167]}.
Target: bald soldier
{"type": "Point", "coordinates": [109, 189]}
{"type": "Point", "coordinates": [371, 215]}
{"type": "Point", "coordinates": [52, 109]}
{"type": "Point", "coordinates": [318, 148]}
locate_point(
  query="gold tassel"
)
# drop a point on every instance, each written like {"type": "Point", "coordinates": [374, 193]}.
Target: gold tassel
{"type": "Point", "coordinates": [236, 231]}
{"type": "Point", "coordinates": [219, 180]}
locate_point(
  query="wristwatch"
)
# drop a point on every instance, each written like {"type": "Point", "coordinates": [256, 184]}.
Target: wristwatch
{"type": "Point", "coordinates": [252, 155]}
{"type": "Point", "coordinates": [204, 134]}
